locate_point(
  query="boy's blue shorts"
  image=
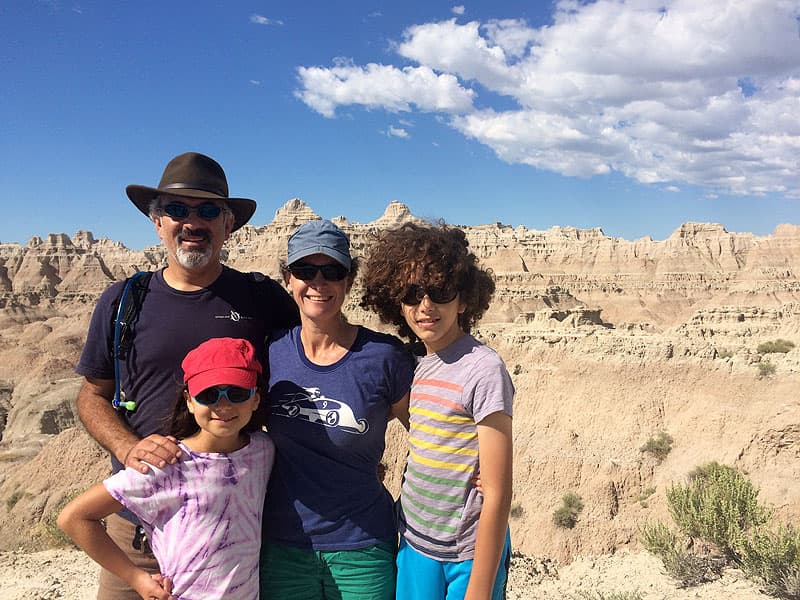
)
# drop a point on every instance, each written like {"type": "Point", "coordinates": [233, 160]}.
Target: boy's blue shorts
{"type": "Point", "coordinates": [421, 577]}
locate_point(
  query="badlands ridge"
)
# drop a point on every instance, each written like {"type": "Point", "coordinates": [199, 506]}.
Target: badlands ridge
{"type": "Point", "coordinates": [609, 342]}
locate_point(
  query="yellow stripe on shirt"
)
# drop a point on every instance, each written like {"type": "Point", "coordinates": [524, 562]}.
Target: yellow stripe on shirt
{"type": "Point", "coordinates": [440, 464]}
{"type": "Point", "coordinates": [418, 443]}
{"type": "Point", "coordinates": [461, 435]}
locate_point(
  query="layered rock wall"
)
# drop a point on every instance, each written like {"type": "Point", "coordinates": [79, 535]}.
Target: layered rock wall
{"type": "Point", "coordinates": [609, 341]}
{"type": "Point", "coordinates": [661, 282]}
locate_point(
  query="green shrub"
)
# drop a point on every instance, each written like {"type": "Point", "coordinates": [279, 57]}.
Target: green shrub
{"type": "Point", "coordinates": [775, 346]}
{"type": "Point", "coordinates": [724, 353]}
{"type": "Point", "coordinates": [566, 515]}
{"type": "Point", "coordinates": [717, 506]}
{"type": "Point", "coordinates": [659, 446]}
{"type": "Point", "coordinates": [719, 522]}
{"type": "Point", "coordinates": [517, 511]}
{"type": "Point", "coordinates": [12, 500]}
{"type": "Point", "coordinates": [686, 567]}
{"type": "Point", "coordinates": [658, 539]}
{"type": "Point", "coordinates": [765, 369]}
{"type": "Point", "coordinates": [772, 557]}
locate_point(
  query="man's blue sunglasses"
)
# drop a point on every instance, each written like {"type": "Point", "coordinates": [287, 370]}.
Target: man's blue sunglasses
{"type": "Point", "coordinates": [180, 211]}
{"type": "Point", "coordinates": [232, 393]}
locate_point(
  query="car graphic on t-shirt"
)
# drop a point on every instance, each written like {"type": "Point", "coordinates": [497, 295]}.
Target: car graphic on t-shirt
{"type": "Point", "coordinates": [312, 406]}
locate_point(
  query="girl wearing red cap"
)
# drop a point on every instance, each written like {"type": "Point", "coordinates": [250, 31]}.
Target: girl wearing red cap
{"type": "Point", "coordinates": [202, 515]}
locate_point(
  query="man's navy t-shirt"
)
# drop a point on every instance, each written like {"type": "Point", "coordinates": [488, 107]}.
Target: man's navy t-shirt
{"type": "Point", "coordinates": [171, 323]}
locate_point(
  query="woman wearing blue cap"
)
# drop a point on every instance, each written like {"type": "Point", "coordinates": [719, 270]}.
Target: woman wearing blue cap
{"type": "Point", "coordinates": [329, 528]}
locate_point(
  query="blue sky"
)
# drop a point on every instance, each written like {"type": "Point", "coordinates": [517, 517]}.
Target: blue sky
{"type": "Point", "coordinates": [632, 116]}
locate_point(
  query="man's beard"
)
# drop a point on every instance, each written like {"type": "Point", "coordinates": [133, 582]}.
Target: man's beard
{"type": "Point", "coordinates": [196, 258]}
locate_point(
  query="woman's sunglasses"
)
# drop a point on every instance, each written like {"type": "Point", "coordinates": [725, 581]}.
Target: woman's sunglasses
{"type": "Point", "coordinates": [307, 272]}
{"type": "Point", "coordinates": [438, 294]}
{"type": "Point", "coordinates": [232, 393]}
{"type": "Point", "coordinates": [180, 211]}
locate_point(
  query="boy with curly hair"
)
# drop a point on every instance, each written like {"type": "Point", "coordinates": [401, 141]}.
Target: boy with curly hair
{"type": "Point", "coordinates": [454, 541]}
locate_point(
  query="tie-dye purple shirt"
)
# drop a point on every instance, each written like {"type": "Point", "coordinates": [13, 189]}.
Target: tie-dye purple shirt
{"type": "Point", "coordinates": [203, 517]}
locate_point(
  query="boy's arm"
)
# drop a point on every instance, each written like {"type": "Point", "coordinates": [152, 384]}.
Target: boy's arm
{"type": "Point", "coordinates": [495, 451]}
{"type": "Point", "coordinates": [80, 520]}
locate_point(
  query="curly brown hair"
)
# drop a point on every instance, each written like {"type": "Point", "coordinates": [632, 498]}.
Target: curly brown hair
{"type": "Point", "coordinates": [434, 254]}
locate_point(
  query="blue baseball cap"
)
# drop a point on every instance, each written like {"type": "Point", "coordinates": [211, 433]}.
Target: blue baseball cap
{"type": "Point", "coordinates": [319, 237]}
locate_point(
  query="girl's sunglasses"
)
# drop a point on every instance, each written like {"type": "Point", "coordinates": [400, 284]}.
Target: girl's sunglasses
{"type": "Point", "coordinates": [307, 272]}
{"type": "Point", "coordinates": [438, 295]}
{"type": "Point", "coordinates": [180, 211]}
{"type": "Point", "coordinates": [232, 393]}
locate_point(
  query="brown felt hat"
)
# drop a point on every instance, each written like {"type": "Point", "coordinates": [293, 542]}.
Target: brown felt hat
{"type": "Point", "coordinates": [193, 175]}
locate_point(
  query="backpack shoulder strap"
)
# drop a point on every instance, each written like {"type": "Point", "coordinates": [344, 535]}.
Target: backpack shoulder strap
{"type": "Point", "coordinates": [130, 304]}
{"type": "Point", "coordinates": [128, 308]}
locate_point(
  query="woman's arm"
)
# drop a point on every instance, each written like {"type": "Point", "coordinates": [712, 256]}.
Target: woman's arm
{"type": "Point", "coordinates": [399, 410]}
{"type": "Point", "coordinates": [495, 452]}
{"type": "Point", "coordinates": [80, 520]}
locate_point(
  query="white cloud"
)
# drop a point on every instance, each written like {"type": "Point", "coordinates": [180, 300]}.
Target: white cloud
{"type": "Point", "coordinates": [646, 88]}
{"type": "Point", "coordinates": [262, 20]}
{"type": "Point", "coordinates": [460, 50]}
{"type": "Point", "coordinates": [397, 132]}
{"type": "Point", "coordinates": [381, 86]}
{"type": "Point", "coordinates": [672, 188]}
{"type": "Point", "coordinates": [458, 10]}
{"type": "Point", "coordinates": [255, 82]}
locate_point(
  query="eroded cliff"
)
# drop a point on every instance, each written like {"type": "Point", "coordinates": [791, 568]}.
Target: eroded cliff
{"type": "Point", "coordinates": [609, 342]}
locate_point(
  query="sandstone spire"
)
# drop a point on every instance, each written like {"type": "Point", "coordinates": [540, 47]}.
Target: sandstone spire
{"type": "Point", "coordinates": [294, 213]}
{"type": "Point", "coordinates": [396, 214]}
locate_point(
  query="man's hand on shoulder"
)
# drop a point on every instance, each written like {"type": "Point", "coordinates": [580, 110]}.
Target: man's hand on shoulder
{"type": "Point", "coordinates": [156, 450]}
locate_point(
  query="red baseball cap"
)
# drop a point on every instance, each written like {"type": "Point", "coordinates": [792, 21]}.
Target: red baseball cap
{"type": "Point", "coordinates": [221, 361]}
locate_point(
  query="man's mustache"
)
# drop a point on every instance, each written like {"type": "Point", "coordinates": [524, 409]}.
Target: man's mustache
{"type": "Point", "coordinates": [195, 233]}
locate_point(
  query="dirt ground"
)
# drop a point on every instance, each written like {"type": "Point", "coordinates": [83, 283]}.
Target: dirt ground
{"type": "Point", "coordinates": [68, 574]}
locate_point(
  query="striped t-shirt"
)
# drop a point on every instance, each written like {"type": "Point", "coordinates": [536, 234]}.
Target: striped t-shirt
{"type": "Point", "coordinates": [452, 391]}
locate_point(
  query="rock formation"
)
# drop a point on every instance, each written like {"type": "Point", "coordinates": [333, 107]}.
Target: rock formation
{"type": "Point", "coordinates": [609, 341]}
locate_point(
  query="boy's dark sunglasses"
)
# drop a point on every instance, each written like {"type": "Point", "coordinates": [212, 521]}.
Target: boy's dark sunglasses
{"type": "Point", "coordinates": [307, 272]}
{"type": "Point", "coordinates": [180, 211]}
{"type": "Point", "coordinates": [438, 295]}
{"type": "Point", "coordinates": [232, 393]}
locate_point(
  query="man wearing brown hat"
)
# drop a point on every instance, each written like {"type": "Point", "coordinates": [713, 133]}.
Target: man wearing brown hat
{"type": "Point", "coordinates": [194, 298]}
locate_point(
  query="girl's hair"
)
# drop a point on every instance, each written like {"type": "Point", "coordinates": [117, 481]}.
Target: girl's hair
{"type": "Point", "coordinates": [182, 423]}
{"type": "Point", "coordinates": [433, 255]}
